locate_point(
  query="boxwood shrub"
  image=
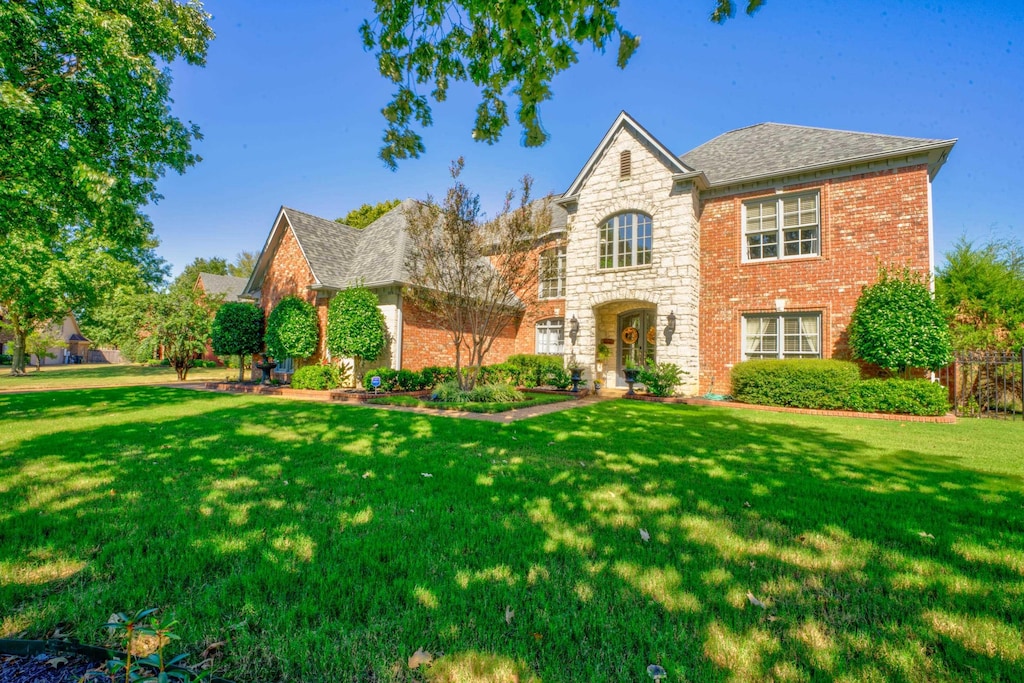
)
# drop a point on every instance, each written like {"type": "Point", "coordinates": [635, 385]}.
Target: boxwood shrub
{"type": "Point", "coordinates": [902, 396]}
{"type": "Point", "coordinates": [316, 377]}
{"type": "Point", "coordinates": [805, 383]}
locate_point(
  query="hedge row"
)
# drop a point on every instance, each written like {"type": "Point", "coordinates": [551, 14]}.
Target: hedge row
{"type": "Point", "coordinates": [833, 385]}
{"type": "Point", "coordinates": [521, 370]}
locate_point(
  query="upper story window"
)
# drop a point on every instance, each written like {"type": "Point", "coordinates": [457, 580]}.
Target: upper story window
{"type": "Point", "coordinates": [626, 240]}
{"type": "Point", "coordinates": [551, 336]}
{"type": "Point", "coordinates": [782, 335]}
{"type": "Point", "coordinates": [782, 227]}
{"type": "Point", "coordinates": [552, 273]}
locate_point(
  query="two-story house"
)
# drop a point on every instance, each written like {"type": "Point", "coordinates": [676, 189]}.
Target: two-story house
{"type": "Point", "coordinates": [755, 244]}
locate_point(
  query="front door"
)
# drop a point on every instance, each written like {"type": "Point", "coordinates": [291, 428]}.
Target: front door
{"type": "Point", "coordinates": [637, 338]}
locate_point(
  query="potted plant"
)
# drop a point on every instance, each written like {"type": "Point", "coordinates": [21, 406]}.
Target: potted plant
{"type": "Point", "coordinates": [576, 373]}
{"type": "Point", "coordinates": [631, 370]}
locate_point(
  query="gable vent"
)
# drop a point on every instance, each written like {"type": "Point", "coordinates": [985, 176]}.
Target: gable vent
{"type": "Point", "coordinates": [625, 164]}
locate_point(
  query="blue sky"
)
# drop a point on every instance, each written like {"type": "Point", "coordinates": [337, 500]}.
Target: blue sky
{"type": "Point", "coordinates": [289, 106]}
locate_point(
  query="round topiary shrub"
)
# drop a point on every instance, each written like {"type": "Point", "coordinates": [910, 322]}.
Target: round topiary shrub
{"type": "Point", "coordinates": [292, 329]}
{"type": "Point", "coordinates": [237, 330]}
{"type": "Point", "coordinates": [355, 325]}
{"type": "Point", "coordinates": [897, 325]}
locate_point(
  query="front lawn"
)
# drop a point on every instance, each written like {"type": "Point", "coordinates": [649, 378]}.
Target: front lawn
{"type": "Point", "coordinates": [532, 399]}
{"type": "Point", "coordinates": [324, 542]}
{"type": "Point", "coordinates": [102, 375]}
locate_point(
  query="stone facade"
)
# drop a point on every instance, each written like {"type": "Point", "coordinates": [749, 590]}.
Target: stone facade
{"type": "Point", "coordinates": [668, 285]}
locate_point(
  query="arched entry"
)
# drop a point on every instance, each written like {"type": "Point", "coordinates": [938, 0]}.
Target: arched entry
{"type": "Point", "coordinates": [636, 340]}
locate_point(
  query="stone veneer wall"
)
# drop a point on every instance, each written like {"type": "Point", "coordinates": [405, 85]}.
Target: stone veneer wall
{"type": "Point", "coordinates": [867, 220]}
{"type": "Point", "coordinates": [670, 283]}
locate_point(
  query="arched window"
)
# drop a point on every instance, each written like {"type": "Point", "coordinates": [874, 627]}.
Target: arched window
{"type": "Point", "coordinates": [626, 240]}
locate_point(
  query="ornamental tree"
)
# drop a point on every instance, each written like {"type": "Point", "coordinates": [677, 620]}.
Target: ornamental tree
{"type": "Point", "coordinates": [897, 325]}
{"type": "Point", "coordinates": [237, 330]}
{"type": "Point", "coordinates": [293, 330]}
{"type": "Point", "coordinates": [355, 325]}
{"type": "Point", "coordinates": [180, 323]}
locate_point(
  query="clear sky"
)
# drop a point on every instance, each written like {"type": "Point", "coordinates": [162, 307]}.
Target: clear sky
{"type": "Point", "coordinates": [289, 106]}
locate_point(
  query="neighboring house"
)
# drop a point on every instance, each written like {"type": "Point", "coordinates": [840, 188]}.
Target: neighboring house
{"type": "Point", "coordinates": [220, 289]}
{"type": "Point", "coordinates": [755, 244]}
{"type": "Point", "coordinates": [226, 287]}
{"type": "Point", "coordinates": [77, 344]}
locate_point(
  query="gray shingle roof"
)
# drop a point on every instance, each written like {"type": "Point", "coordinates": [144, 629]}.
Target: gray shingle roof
{"type": "Point", "coordinates": [227, 285]}
{"type": "Point", "coordinates": [769, 149]}
{"type": "Point", "coordinates": [340, 255]}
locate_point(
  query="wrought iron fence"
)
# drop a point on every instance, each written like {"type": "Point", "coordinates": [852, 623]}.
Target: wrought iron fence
{"type": "Point", "coordinates": [986, 384]}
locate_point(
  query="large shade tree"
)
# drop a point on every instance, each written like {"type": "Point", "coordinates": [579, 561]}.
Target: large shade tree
{"type": "Point", "coordinates": [84, 109]}
{"type": "Point", "coordinates": [501, 48]}
{"type": "Point", "coordinates": [469, 273]}
{"type": "Point", "coordinates": [180, 325]}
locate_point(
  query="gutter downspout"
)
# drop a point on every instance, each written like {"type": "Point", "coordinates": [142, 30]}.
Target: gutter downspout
{"type": "Point", "coordinates": [398, 332]}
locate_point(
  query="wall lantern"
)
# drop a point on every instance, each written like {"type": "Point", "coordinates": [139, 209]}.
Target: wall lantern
{"type": "Point", "coordinates": [670, 328]}
{"type": "Point", "coordinates": [574, 330]}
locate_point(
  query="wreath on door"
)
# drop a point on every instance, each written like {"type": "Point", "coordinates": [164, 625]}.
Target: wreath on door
{"type": "Point", "coordinates": [630, 335]}
{"type": "Point", "coordinates": [652, 335]}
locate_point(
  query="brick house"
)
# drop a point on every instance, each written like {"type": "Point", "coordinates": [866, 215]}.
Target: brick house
{"type": "Point", "coordinates": [755, 244]}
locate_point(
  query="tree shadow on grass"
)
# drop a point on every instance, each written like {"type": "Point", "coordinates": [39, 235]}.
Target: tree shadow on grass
{"type": "Point", "coordinates": [309, 538]}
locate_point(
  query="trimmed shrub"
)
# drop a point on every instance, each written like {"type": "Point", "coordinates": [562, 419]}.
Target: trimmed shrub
{"type": "Point", "coordinates": [293, 330]}
{"type": "Point", "coordinates": [436, 374]}
{"type": "Point", "coordinates": [237, 330]}
{"type": "Point", "coordinates": [559, 378]}
{"type": "Point", "coordinates": [534, 370]}
{"type": "Point", "coordinates": [499, 373]}
{"type": "Point", "coordinates": [661, 379]}
{"type": "Point", "coordinates": [387, 376]}
{"type": "Point", "coordinates": [317, 377]}
{"type": "Point", "coordinates": [495, 393]}
{"type": "Point", "coordinates": [824, 384]}
{"type": "Point", "coordinates": [408, 380]}
{"type": "Point", "coordinates": [897, 325]}
{"type": "Point", "coordinates": [6, 359]}
{"type": "Point", "coordinates": [355, 325]}
{"type": "Point", "coordinates": [902, 396]}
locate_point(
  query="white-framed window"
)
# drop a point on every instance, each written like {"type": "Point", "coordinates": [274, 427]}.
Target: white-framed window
{"type": "Point", "coordinates": [626, 239]}
{"type": "Point", "coordinates": [551, 336]}
{"type": "Point", "coordinates": [782, 335]}
{"type": "Point", "coordinates": [785, 226]}
{"type": "Point", "coordinates": [285, 366]}
{"type": "Point", "coordinates": [552, 273]}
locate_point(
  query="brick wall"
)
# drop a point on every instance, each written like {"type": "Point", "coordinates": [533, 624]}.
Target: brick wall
{"type": "Point", "coordinates": [867, 220]}
{"type": "Point", "coordinates": [288, 275]}
{"type": "Point", "coordinates": [425, 342]}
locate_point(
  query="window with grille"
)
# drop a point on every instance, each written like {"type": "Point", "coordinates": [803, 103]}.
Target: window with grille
{"type": "Point", "coordinates": [551, 336]}
{"type": "Point", "coordinates": [552, 273]}
{"type": "Point", "coordinates": [782, 227]}
{"type": "Point", "coordinates": [782, 335]}
{"type": "Point", "coordinates": [626, 240]}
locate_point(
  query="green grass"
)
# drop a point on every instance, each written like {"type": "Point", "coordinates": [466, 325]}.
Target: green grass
{"type": "Point", "coordinates": [532, 399]}
{"type": "Point", "coordinates": [306, 537]}
{"type": "Point", "coordinates": [72, 376]}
